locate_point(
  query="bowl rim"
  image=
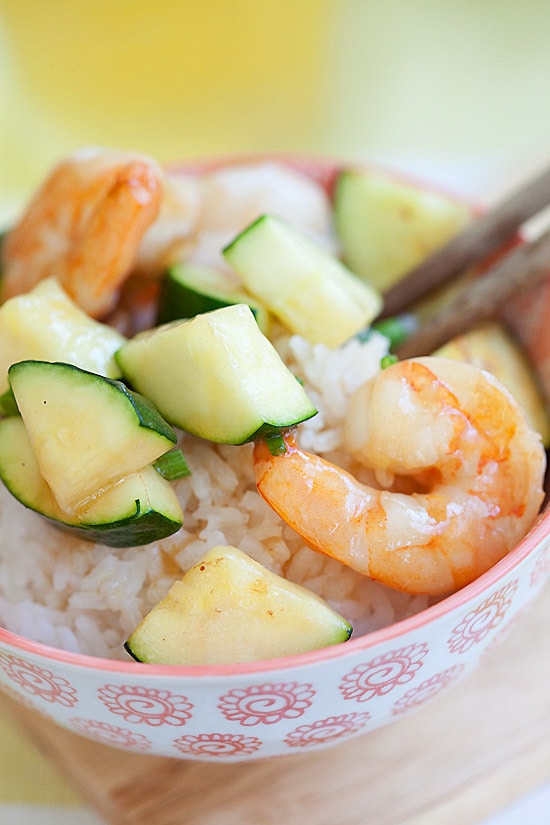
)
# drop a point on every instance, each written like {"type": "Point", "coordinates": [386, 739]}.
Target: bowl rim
{"type": "Point", "coordinates": [529, 544]}
{"type": "Point", "coordinates": [324, 169]}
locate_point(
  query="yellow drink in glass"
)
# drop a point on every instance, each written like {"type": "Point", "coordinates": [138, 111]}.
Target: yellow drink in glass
{"type": "Point", "coordinates": [171, 78]}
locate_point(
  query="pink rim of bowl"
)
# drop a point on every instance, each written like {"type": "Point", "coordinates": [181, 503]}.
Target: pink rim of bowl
{"type": "Point", "coordinates": [323, 170]}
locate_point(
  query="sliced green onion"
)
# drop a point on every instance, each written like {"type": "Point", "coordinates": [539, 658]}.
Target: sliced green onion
{"type": "Point", "coordinates": [396, 329]}
{"type": "Point", "coordinates": [276, 444]}
{"type": "Point", "coordinates": [172, 465]}
{"type": "Point", "coordinates": [388, 360]}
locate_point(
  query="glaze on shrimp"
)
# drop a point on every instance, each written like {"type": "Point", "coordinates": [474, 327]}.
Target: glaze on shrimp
{"type": "Point", "coordinates": [103, 215]}
{"type": "Point", "coordinates": [459, 479]}
{"type": "Point", "coordinates": [83, 226]}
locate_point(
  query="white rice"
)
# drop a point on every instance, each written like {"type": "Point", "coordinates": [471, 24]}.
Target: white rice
{"type": "Point", "coordinates": [78, 596]}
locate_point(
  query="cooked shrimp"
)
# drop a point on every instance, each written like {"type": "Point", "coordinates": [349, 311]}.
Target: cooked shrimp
{"type": "Point", "coordinates": [103, 214]}
{"type": "Point", "coordinates": [171, 237]}
{"type": "Point", "coordinates": [458, 471]}
{"type": "Point", "coordinates": [202, 213]}
{"type": "Point", "coordinates": [83, 226]}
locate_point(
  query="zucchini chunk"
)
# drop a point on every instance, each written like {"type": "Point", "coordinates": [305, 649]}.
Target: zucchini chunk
{"type": "Point", "coordinates": [8, 404]}
{"type": "Point", "coordinates": [216, 376]}
{"type": "Point", "coordinates": [309, 290]}
{"type": "Point", "coordinates": [387, 227]}
{"type": "Point", "coordinates": [491, 347]}
{"type": "Point", "coordinates": [190, 289]}
{"type": "Point", "coordinates": [229, 609]}
{"type": "Point", "coordinates": [137, 510]}
{"type": "Point", "coordinates": [46, 325]}
{"type": "Point", "coordinates": [87, 431]}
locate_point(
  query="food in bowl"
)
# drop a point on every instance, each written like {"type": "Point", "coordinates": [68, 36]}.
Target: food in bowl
{"type": "Point", "coordinates": [114, 230]}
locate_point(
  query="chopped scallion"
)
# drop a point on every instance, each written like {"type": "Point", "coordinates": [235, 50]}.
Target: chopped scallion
{"type": "Point", "coordinates": [172, 465]}
{"type": "Point", "coordinates": [396, 329]}
{"type": "Point", "coordinates": [276, 444]}
{"type": "Point", "coordinates": [388, 360]}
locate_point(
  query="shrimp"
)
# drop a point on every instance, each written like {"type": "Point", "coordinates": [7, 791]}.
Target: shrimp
{"type": "Point", "coordinates": [170, 237]}
{"type": "Point", "coordinates": [83, 226]}
{"type": "Point", "coordinates": [202, 213]}
{"type": "Point", "coordinates": [458, 478]}
{"type": "Point", "coordinates": [103, 215]}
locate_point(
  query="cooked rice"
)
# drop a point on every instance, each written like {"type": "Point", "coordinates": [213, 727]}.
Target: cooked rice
{"type": "Point", "coordinates": [66, 592]}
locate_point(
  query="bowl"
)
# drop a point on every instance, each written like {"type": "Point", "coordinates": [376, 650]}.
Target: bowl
{"type": "Point", "coordinates": [297, 704]}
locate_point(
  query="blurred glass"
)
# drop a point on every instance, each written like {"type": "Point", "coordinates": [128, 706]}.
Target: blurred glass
{"type": "Point", "coordinates": [174, 78]}
{"type": "Point", "coordinates": [450, 90]}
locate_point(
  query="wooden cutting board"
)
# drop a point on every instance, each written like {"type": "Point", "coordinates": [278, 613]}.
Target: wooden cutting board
{"type": "Point", "coordinates": [457, 760]}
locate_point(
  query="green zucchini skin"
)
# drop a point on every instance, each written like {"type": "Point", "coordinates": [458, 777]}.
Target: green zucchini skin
{"type": "Point", "coordinates": [229, 608]}
{"type": "Point", "coordinates": [386, 226]}
{"type": "Point", "coordinates": [132, 522]}
{"type": "Point", "coordinates": [46, 324]}
{"type": "Point", "coordinates": [147, 414]}
{"type": "Point", "coordinates": [191, 289]}
{"type": "Point", "coordinates": [216, 376]}
{"type": "Point", "coordinates": [87, 431]}
{"type": "Point", "coordinates": [138, 530]}
{"type": "Point", "coordinates": [308, 289]}
{"type": "Point", "coordinates": [8, 404]}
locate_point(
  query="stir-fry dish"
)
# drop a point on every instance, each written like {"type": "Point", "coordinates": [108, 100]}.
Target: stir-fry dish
{"type": "Point", "coordinates": [209, 452]}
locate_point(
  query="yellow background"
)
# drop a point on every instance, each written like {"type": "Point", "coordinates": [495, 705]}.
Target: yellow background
{"type": "Point", "coordinates": [423, 83]}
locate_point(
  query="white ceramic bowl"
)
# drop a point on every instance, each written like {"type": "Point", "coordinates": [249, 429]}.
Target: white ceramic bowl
{"type": "Point", "coordinates": [292, 705]}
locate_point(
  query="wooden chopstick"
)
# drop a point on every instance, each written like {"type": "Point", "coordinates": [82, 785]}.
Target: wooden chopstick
{"type": "Point", "coordinates": [482, 298]}
{"type": "Point", "coordinates": [484, 236]}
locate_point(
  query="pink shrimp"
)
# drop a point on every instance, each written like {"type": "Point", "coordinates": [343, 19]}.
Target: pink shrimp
{"type": "Point", "coordinates": [84, 225]}
{"type": "Point", "coordinates": [448, 434]}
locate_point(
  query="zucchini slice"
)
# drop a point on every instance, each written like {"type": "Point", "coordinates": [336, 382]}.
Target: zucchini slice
{"type": "Point", "coordinates": [216, 376]}
{"type": "Point", "coordinates": [46, 325]}
{"type": "Point", "coordinates": [190, 289]}
{"type": "Point", "coordinates": [8, 404]}
{"type": "Point", "coordinates": [87, 431]}
{"type": "Point", "coordinates": [137, 510]}
{"type": "Point", "coordinates": [386, 227]}
{"type": "Point", "coordinates": [309, 290]}
{"type": "Point", "coordinates": [228, 609]}
{"type": "Point", "coordinates": [491, 347]}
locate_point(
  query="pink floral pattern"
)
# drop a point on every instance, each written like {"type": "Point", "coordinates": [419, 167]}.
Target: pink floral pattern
{"type": "Point", "coordinates": [326, 730]}
{"type": "Point", "coordinates": [427, 690]}
{"type": "Point", "coordinates": [383, 673]}
{"type": "Point", "coordinates": [217, 745]}
{"type": "Point", "coordinates": [37, 681]}
{"type": "Point", "coordinates": [149, 706]}
{"type": "Point", "coordinates": [111, 734]}
{"type": "Point", "coordinates": [266, 704]}
{"type": "Point", "coordinates": [483, 619]}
